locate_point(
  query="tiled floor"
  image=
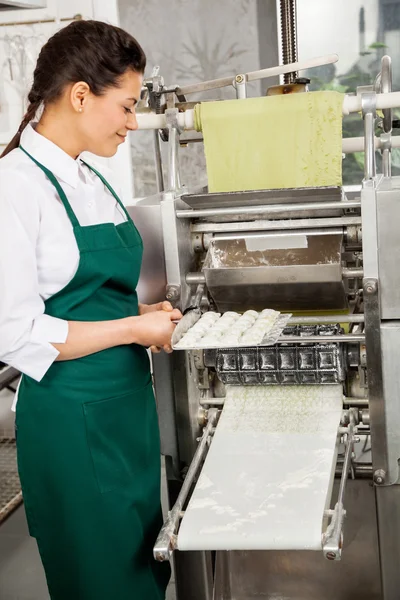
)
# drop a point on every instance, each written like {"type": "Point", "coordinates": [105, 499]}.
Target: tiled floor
{"type": "Point", "coordinates": [21, 572]}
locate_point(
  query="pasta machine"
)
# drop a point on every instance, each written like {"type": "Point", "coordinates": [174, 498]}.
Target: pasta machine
{"type": "Point", "coordinates": [301, 251]}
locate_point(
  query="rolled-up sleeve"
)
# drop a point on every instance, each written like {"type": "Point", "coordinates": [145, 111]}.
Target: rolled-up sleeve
{"type": "Point", "coordinates": [26, 332]}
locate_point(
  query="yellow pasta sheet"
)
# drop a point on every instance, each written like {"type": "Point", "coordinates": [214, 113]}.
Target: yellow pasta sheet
{"type": "Point", "coordinates": [272, 142]}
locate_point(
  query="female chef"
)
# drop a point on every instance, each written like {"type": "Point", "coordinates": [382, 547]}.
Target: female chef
{"type": "Point", "coordinates": [70, 255]}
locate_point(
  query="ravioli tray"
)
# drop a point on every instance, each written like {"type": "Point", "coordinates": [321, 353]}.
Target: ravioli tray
{"type": "Point", "coordinates": [234, 330]}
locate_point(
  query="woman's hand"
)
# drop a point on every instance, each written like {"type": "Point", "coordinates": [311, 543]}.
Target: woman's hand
{"type": "Point", "coordinates": [154, 326]}
{"type": "Point", "coordinates": [146, 308]}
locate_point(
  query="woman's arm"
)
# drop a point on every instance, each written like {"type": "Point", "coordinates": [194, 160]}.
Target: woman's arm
{"type": "Point", "coordinates": [149, 329]}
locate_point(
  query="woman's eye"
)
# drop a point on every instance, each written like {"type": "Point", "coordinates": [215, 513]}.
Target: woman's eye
{"type": "Point", "coordinates": [128, 110]}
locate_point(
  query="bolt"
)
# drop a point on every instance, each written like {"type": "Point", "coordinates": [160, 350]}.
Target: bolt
{"type": "Point", "coordinates": [173, 292]}
{"type": "Point", "coordinates": [331, 555]}
{"type": "Point", "coordinates": [160, 557]}
{"type": "Point", "coordinates": [239, 78]}
{"type": "Point", "coordinates": [379, 476]}
{"type": "Point", "coordinates": [370, 287]}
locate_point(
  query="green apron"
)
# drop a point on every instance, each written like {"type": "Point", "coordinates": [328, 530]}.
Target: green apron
{"type": "Point", "coordinates": [88, 441]}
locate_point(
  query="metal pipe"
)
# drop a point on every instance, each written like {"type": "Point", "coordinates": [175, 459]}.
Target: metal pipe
{"type": "Point", "coordinates": [195, 278]}
{"type": "Point", "coordinates": [204, 86]}
{"type": "Point", "coordinates": [386, 87]}
{"type": "Point", "coordinates": [277, 234]}
{"type": "Point", "coordinates": [352, 273]}
{"type": "Point", "coordinates": [173, 160]}
{"type": "Point", "coordinates": [386, 162]}
{"type": "Point", "coordinates": [369, 160]}
{"type": "Point", "coordinates": [359, 402]}
{"type": "Point", "coordinates": [199, 278]}
{"type": "Point", "coordinates": [347, 456]}
{"type": "Point", "coordinates": [359, 470]}
{"type": "Point", "coordinates": [273, 225]}
{"type": "Point", "coordinates": [356, 144]}
{"type": "Point", "coordinates": [266, 209]}
{"type": "Point", "coordinates": [158, 161]}
{"type": "Point", "coordinates": [323, 339]}
{"type": "Point", "coordinates": [326, 319]}
{"type": "Point", "coordinates": [167, 538]}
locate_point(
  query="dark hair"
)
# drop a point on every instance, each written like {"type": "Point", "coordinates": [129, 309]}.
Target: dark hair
{"type": "Point", "coordinates": [90, 51]}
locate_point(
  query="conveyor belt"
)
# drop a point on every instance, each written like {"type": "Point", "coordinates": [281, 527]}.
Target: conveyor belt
{"type": "Point", "coordinates": [10, 489]}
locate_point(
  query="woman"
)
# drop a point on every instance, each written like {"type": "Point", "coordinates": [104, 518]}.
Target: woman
{"type": "Point", "coordinates": [88, 450]}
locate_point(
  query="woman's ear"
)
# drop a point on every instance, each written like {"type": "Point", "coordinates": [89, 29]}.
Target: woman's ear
{"type": "Point", "coordinates": [79, 95]}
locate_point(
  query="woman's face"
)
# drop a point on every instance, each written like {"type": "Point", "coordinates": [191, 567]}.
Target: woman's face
{"type": "Point", "coordinates": [105, 120]}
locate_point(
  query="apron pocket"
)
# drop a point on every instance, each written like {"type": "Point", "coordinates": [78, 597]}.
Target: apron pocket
{"type": "Point", "coordinates": [119, 437]}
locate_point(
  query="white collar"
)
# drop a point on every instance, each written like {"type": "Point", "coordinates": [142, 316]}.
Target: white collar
{"type": "Point", "coordinates": [50, 155]}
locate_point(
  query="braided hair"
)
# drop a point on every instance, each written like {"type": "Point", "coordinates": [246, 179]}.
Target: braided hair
{"type": "Point", "coordinates": [90, 51]}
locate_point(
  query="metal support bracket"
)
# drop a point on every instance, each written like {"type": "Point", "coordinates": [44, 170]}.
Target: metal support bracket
{"type": "Point", "coordinates": [239, 83]}
{"type": "Point", "coordinates": [375, 381]}
{"type": "Point", "coordinates": [332, 539]}
{"type": "Point", "coordinates": [167, 538]}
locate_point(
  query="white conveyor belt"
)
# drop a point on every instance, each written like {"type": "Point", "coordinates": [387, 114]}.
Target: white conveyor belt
{"type": "Point", "coordinates": [268, 476]}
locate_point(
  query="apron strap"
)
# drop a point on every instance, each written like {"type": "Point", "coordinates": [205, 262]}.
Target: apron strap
{"type": "Point", "coordinates": [61, 193]}
{"type": "Point", "coordinates": [108, 186]}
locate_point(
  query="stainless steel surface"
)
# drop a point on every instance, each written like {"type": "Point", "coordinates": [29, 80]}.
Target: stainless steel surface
{"type": "Point", "coordinates": [166, 541]}
{"type": "Point", "coordinates": [388, 240]}
{"type": "Point", "coordinates": [286, 277]}
{"type": "Point", "coordinates": [333, 537]}
{"type": "Point", "coordinates": [377, 402]}
{"type": "Point", "coordinates": [178, 251]}
{"type": "Point", "coordinates": [146, 215]}
{"type": "Point", "coordinates": [307, 575]}
{"type": "Point", "coordinates": [388, 505]}
{"type": "Point", "coordinates": [288, 36]}
{"type": "Point", "coordinates": [279, 225]}
{"type": "Point", "coordinates": [390, 413]}
{"type": "Point", "coordinates": [262, 197]}
{"type": "Point", "coordinates": [265, 210]}
{"type": "Point", "coordinates": [165, 401]}
{"type": "Point", "coordinates": [193, 575]}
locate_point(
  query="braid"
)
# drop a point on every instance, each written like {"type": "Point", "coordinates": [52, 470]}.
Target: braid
{"type": "Point", "coordinates": [34, 103]}
{"type": "Point", "coordinates": [30, 113]}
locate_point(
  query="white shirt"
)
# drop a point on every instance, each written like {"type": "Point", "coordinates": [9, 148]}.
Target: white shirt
{"type": "Point", "coordinates": [38, 252]}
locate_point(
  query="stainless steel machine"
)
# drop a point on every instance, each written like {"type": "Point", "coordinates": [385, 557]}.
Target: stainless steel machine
{"type": "Point", "coordinates": [349, 270]}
